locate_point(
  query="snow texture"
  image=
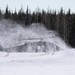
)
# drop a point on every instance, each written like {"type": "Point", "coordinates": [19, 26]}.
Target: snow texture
{"type": "Point", "coordinates": [21, 44]}
{"type": "Point", "coordinates": [35, 38]}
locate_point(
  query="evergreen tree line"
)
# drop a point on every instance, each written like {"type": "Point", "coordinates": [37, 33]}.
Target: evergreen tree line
{"type": "Point", "coordinates": [63, 23]}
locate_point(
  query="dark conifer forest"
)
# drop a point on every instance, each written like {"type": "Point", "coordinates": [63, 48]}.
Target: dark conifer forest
{"type": "Point", "coordinates": [62, 22]}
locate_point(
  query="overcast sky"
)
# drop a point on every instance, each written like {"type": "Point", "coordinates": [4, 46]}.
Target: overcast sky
{"type": "Point", "coordinates": [42, 4]}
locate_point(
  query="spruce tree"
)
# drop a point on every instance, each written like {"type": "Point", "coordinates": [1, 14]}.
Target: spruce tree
{"type": "Point", "coordinates": [6, 12]}
{"type": "Point", "coordinates": [27, 17]}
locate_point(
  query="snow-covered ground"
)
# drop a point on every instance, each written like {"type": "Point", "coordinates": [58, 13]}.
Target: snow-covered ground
{"type": "Point", "coordinates": [61, 62]}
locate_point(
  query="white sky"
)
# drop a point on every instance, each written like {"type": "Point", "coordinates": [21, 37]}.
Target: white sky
{"type": "Point", "coordinates": [42, 4]}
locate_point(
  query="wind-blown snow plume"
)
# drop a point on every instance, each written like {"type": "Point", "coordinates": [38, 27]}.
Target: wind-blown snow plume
{"type": "Point", "coordinates": [35, 38]}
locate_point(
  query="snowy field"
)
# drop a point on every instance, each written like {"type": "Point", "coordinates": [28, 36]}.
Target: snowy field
{"type": "Point", "coordinates": [59, 63]}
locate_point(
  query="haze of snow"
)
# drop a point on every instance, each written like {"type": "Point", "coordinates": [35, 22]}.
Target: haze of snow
{"type": "Point", "coordinates": [13, 34]}
{"type": "Point", "coordinates": [58, 63]}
